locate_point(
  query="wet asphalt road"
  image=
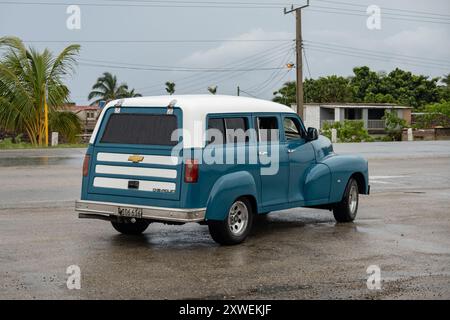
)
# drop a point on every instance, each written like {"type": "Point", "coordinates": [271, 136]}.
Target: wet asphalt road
{"type": "Point", "coordinates": [403, 227]}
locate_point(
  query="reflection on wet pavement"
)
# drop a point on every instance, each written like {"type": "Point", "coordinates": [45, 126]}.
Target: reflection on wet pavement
{"type": "Point", "coordinates": [39, 161]}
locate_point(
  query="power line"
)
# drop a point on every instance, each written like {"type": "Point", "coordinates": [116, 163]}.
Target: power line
{"type": "Point", "coordinates": [101, 41]}
{"type": "Point", "coordinates": [167, 68]}
{"type": "Point", "coordinates": [363, 12]}
{"type": "Point", "coordinates": [259, 87]}
{"type": "Point", "coordinates": [375, 51]}
{"type": "Point", "coordinates": [144, 5]}
{"type": "Point", "coordinates": [222, 78]}
{"type": "Point", "coordinates": [383, 8]}
{"type": "Point", "coordinates": [249, 5]}
{"type": "Point", "coordinates": [218, 4]}
{"type": "Point", "coordinates": [199, 80]}
{"type": "Point", "coordinates": [243, 91]}
{"type": "Point", "coordinates": [344, 12]}
{"type": "Point", "coordinates": [237, 63]}
{"type": "Point", "coordinates": [365, 56]}
{"type": "Point", "coordinates": [276, 79]}
{"type": "Point", "coordinates": [307, 64]}
{"type": "Point", "coordinates": [368, 53]}
{"type": "Point", "coordinates": [174, 69]}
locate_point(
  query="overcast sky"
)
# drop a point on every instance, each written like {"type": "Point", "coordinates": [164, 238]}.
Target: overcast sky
{"type": "Point", "coordinates": [414, 35]}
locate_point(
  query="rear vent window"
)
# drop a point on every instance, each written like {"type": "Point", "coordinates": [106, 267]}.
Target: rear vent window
{"type": "Point", "coordinates": [148, 129]}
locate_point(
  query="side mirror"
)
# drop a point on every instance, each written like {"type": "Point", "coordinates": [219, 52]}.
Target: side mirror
{"type": "Point", "coordinates": [312, 134]}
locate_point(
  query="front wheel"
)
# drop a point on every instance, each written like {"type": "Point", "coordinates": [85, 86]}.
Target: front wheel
{"type": "Point", "coordinates": [345, 211]}
{"type": "Point", "coordinates": [131, 228]}
{"type": "Point", "coordinates": [236, 226]}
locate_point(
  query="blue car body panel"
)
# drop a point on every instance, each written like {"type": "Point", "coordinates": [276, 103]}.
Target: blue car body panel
{"type": "Point", "coordinates": [312, 175]}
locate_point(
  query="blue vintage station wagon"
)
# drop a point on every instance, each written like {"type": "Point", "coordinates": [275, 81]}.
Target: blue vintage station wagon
{"type": "Point", "coordinates": [216, 160]}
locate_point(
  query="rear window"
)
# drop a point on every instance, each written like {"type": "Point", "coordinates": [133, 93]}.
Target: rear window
{"type": "Point", "coordinates": [148, 129]}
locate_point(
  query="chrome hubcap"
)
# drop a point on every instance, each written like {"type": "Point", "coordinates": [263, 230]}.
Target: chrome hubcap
{"type": "Point", "coordinates": [353, 199]}
{"type": "Point", "coordinates": [238, 218]}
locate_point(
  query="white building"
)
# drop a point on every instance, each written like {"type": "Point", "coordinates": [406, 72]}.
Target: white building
{"type": "Point", "coordinates": [316, 114]}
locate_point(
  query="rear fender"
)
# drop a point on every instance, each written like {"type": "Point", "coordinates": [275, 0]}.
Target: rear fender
{"type": "Point", "coordinates": [342, 167]}
{"type": "Point", "coordinates": [227, 189]}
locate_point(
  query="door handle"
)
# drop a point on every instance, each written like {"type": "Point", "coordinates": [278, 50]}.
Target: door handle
{"type": "Point", "coordinates": [263, 153]}
{"type": "Point", "coordinates": [291, 150]}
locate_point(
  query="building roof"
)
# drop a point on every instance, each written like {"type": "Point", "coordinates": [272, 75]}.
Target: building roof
{"type": "Point", "coordinates": [77, 109]}
{"type": "Point", "coordinates": [196, 107]}
{"type": "Point", "coordinates": [358, 105]}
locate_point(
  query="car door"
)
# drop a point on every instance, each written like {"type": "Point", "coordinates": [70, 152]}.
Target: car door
{"type": "Point", "coordinates": [273, 161]}
{"type": "Point", "coordinates": [301, 156]}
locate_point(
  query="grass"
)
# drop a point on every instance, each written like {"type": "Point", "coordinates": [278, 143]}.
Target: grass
{"type": "Point", "coordinates": [7, 144]}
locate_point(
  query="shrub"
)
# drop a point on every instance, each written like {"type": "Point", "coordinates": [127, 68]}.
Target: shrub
{"type": "Point", "coordinates": [394, 125]}
{"type": "Point", "coordinates": [347, 131]}
{"type": "Point", "coordinates": [436, 114]}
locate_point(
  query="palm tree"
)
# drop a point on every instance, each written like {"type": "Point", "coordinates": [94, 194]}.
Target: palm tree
{"type": "Point", "coordinates": [131, 94]}
{"type": "Point", "coordinates": [170, 87]}
{"type": "Point", "coordinates": [30, 79]}
{"type": "Point", "coordinates": [107, 88]}
{"type": "Point", "coordinates": [212, 90]}
{"type": "Point", "coordinates": [286, 94]}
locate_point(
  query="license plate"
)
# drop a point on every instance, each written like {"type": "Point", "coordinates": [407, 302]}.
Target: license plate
{"type": "Point", "coordinates": [129, 212]}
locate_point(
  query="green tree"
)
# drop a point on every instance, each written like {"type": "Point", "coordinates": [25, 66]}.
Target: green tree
{"type": "Point", "coordinates": [327, 89]}
{"type": "Point", "coordinates": [28, 79]}
{"type": "Point", "coordinates": [436, 114]}
{"type": "Point", "coordinates": [394, 125]}
{"type": "Point", "coordinates": [170, 87]}
{"type": "Point", "coordinates": [66, 123]}
{"type": "Point", "coordinates": [398, 86]}
{"type": "Point", "coordinates": [131, 94]}
{"type": "Point", "coordinates": [445, 89]}
{"type": "Point", "coordinates": [446, 80]}
{"type": "Point", "coordinates": [286, 94]}
{"type": "Point", "coordinates": [365, 83]}
{"type": "Point", "coordinates": [107, 88]}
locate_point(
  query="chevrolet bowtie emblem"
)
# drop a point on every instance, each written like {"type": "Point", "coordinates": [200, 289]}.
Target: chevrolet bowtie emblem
{"type": "Point", "coordinates": [135, 158]}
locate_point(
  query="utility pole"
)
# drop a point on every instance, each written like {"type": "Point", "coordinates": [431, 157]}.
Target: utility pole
{"type": "Point", "coordinates": [46, 117]}
{"type": "Point", "coordinates": [298, 49]}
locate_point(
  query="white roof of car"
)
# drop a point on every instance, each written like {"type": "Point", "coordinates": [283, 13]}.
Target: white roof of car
{"type": "Point", "coordinates": [196, 107]}
{"type": "Point", "coordinates": [206, 103]}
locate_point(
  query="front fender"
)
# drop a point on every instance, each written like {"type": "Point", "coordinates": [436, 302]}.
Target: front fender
{"type": "Point", "coordinates": [318, 185]}
{"type": "Point", "coordinates": [227, 189]}
{"type": "Point", "coordinates": [342, 167]}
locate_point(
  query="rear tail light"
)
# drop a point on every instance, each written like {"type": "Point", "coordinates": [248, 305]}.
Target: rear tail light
{"type": "Point", "coordinates": [191, 171]}
{"type": "Point", "coordinates": [87, 158]}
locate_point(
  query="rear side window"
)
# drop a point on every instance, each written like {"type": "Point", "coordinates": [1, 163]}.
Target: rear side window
{"type": "Point", "coordinates": [148, 129]}
{"type": "Point", "coordinates": [265, 126]}
{"type": "Point", "coordinates": [232, 129]}
{"type": "Point", "coordinates": [217, 124]}
{"type": "Point", "coordinates": [236, 130]}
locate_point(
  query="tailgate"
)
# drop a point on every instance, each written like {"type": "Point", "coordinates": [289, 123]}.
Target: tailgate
{"type": "Point", "coordinates": [127, 162]}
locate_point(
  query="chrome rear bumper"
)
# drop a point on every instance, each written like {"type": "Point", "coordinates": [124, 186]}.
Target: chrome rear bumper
{"type": "Point", "coordinates": [104, 210]}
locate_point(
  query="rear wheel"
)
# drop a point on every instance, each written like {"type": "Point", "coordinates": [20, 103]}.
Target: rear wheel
{"type": "Point", "coordinates": [236, 226]}
{"type": "Point", "coordinates": [345, 211]}
{"type": "Point", "coordinates": [130, 228]}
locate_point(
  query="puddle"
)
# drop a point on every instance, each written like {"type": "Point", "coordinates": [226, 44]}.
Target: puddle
{"type": "Point", "coordinates": [39, 161]}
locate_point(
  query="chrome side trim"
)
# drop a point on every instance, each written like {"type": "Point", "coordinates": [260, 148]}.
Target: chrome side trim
{"type": "Point", "coordinates": [106, 209]}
